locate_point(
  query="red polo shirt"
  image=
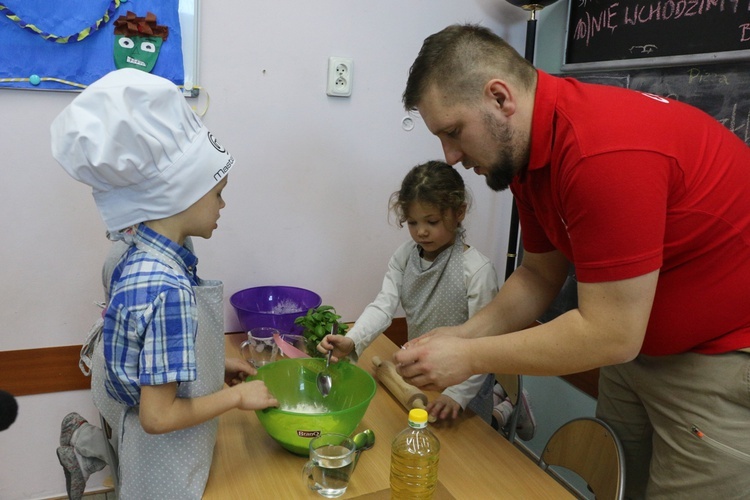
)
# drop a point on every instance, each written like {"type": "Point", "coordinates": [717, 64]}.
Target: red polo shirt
{"type": "Point", "coordinates": [624, 183]}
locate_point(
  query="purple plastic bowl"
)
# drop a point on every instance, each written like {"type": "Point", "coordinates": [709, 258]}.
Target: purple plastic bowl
{"type": "Point", "coordinates": [274, 306]}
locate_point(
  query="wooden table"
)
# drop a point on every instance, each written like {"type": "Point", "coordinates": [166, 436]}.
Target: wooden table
{"type": "Point", "coordinates": [475, 460]}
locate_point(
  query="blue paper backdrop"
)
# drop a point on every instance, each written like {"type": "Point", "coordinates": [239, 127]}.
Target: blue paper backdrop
{"type": "Point", "coordinates": [24, 53]}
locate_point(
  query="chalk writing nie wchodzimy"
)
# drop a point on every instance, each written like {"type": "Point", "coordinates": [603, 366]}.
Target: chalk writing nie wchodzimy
{"type": "Point", "coordinates": [620, 16]}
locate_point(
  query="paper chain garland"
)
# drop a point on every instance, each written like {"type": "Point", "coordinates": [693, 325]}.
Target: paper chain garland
{"type": "Point", "coordinates": [75, 37]}
{"type": "Point", "coordinates": [36, 80]}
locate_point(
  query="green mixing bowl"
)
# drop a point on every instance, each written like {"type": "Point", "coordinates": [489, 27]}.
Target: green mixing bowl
{"type": "Point", "coordinates": [303, 412]}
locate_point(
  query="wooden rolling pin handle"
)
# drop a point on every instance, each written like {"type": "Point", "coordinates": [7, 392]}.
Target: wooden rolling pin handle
{"type": "Point", "coordinates": [408, 395]}
{"type": "Point", "coordinates": [419, 404]}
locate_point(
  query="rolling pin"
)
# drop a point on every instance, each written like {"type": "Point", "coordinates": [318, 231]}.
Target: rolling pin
{"type": "Point", "coordinates": [408, 395]}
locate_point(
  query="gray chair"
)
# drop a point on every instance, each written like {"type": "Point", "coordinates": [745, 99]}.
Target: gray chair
{"type": "Point", "coordinates": [590, 448]}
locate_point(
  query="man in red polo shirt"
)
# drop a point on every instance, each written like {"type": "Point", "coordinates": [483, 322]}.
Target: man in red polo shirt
{"type": "Point", "coordinates": [649, 199]}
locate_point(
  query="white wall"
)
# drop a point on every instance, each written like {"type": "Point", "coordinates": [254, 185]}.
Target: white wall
{"type": "Point", "coordinates": [306, 203]}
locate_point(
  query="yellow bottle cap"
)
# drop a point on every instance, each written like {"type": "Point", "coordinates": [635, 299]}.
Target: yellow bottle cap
{"type": "Point", "coordinates": [418, 415]}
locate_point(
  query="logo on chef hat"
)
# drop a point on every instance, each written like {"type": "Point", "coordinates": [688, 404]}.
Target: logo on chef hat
{"type": "Point", "coordinates": [215, 144]}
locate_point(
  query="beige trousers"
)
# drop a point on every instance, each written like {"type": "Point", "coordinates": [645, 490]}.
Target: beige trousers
{"type": "Point", "coordinates": [684, 422]}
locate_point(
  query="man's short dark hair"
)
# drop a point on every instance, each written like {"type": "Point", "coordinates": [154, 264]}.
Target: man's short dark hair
{"type": "Point", "coordinates": [460, 59]}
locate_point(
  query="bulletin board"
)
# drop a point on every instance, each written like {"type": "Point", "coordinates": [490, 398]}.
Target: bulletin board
{"type": "Point", "coordinates": [616, 34]}
{"type": "Point", "coordinates": [66, 45]}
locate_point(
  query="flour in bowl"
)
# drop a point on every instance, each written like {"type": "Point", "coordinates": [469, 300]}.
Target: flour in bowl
{"type": "Point", "coordinates": [287, 306]}
{"type": "Point", "coordinates": [305, 408]}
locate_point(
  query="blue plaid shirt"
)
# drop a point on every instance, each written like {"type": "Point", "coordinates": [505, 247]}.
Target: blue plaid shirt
{"type": "Point", "coordinates": [151, 320]}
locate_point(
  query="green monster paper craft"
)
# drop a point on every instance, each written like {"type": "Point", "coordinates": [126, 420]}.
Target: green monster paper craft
{"type": "Point", "coordinates": [138, 41]}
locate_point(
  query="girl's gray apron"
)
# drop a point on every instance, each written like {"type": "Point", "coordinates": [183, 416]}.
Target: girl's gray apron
{"type": "Point", "coordinates": [173, 465]}
{"type": "Point", "coordinates": [428, 306]}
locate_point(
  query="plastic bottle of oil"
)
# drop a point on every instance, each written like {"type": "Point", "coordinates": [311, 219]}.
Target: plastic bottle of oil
{"type": "Point", "coordinates": [414, 459]}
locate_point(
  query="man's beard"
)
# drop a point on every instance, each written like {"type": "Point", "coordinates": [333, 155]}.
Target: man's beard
{"type": "Point", "coordinates": [501, 172]}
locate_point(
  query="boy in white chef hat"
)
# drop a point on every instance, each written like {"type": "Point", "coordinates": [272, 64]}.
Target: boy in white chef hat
{"type": "Point", "coordinates": [157, 175]}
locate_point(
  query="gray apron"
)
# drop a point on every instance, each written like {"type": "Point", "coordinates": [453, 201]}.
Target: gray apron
{"type": "Point", "coordinates": [428, 306]}
{"type": "Point", "coordinates": [173, 465]}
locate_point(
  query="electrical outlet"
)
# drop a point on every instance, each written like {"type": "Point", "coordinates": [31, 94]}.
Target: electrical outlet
{"type": "Point", "coordinates": [339, 77]}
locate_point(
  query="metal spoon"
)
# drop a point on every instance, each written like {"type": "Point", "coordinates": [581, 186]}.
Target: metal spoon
{"type": "Point", "coordinates": [363, 441]}
{"type": "Point", "coordinates": [324, 377]}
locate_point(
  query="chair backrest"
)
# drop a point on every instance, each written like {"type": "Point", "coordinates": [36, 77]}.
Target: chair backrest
{"type": "Point", "coordinates": [590, 448]}
{"type": "Point", "coordinates": [512, 385]}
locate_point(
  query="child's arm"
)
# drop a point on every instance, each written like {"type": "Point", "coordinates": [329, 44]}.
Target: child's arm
{"type": "Point", "coordinates": [460, 394]}
{"type": "Point", "coordinates": [378, 315]}
{"type": "Point", "coordinates": [162, 411]}
{"type": "Point", "coordinates": [341, 345]}
{"type": "Point", "coordinates": [236, 371]}
{"type": "Point", "coordinates": [444, 407]}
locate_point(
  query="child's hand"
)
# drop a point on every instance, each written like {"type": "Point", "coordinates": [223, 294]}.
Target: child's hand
{"type": "Point", "coordinates": [340, 344]}
{"type": "Point", "coordinates": [255, 396]}
{"type": "Point", "coordinates": [444, 408]}
{"type": "Point", "coordinates": [236, 370]}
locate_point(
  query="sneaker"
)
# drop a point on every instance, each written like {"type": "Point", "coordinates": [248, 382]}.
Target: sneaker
{"type": "Point", "coordinates": [501, 413]}
{"type": "Point", "coordinates": [498, 394]}
{"type": "Point", "coordinates": [75, 484]}
{"type": "Point", "coordinates": [526, 422]}
{"type": "Point", "coordinates": [70, 423]}
{"type": "Point", "coordinates": [77, 469]}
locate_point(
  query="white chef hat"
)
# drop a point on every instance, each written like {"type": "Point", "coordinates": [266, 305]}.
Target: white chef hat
{"type": "Point", "coordinates": [134, 139]}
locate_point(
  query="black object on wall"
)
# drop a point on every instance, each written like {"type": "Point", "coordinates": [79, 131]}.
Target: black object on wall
{"type": "Point", "coordinates": [8, 410]}
{"type": "Point", "coordinates": [532, 8]}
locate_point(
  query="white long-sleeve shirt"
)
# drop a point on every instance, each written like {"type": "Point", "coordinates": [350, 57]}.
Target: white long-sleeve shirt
{"type": "Point", "coordinates": [481, 286]}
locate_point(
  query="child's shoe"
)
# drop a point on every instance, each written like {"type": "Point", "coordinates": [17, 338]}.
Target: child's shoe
{"type": "Point", "coordinates": [74, 481]}
{"type": "Point", "coordinates": [526, 422]}
{"type": "Point", "coordinates": [501, 414]}
{"type": "Point", "coordinates": [498, 394]}
{"type": "Point", "coordinates": [77, 469]}
{"type": "Point", "coordinates": [70, 423]}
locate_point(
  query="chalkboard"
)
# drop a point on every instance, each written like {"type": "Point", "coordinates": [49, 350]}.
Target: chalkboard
{"type": "Point", "coordinates": [610, 34]}
{"type": "Point", "coordinates": [721, 90]}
